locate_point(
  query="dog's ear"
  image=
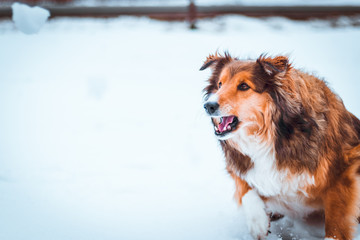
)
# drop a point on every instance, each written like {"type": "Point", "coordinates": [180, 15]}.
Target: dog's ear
{"type": "Point", "coordinates": [274, 66]}
{"type": "Point", "coordinates": [217, 63]}
{"type": "Point", "coordinates": [214, 59]}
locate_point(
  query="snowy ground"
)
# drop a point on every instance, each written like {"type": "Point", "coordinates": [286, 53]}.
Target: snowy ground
{"type": "Point", "coordinates": [102, 131]}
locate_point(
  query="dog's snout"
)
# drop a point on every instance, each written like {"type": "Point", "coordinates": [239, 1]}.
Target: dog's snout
{"type": "Point", "coordinates": [211, 107]}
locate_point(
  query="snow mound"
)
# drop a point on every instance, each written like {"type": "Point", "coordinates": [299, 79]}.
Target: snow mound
{"type": "Point", "coordinates": [28, 19]}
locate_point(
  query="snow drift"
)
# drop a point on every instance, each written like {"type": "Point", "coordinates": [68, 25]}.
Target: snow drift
{"type": "Point", "coordinates": [27, 19]}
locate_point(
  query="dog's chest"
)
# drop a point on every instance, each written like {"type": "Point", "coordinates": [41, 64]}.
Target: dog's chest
{"type": "Point", "coordinates": [269, 181]}
{"type": "Point", "coordinates": [285, 192]}
{"type": "Point", "coordinates": [266, 178]}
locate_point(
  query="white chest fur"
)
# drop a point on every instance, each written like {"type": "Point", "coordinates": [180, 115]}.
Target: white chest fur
{"type": "Point", "coordinates": [265, 178]}
{"type": "Point", "coordinates": [269, 181]}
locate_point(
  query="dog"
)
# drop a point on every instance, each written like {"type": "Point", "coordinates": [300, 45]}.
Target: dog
{"type": "Point", "coordinates": [289, 143]}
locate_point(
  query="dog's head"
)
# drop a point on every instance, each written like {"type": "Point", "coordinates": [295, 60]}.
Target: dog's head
{"type": "Point", "coordinates": [240, 93]}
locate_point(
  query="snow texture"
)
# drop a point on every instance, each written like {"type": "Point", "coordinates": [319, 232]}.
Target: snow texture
{"type": "Point", "coordinates": [29, 20]}
{"type": "Point", "coordinates": [103, 134]}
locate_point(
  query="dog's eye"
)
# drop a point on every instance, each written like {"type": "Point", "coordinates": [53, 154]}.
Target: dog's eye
{"type": "Point", "coordinates": [220, 84]}
{"type": "Point", "coordinates": [243, 87]}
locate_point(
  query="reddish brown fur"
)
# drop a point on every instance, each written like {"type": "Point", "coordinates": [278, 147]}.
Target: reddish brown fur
{"type": "Point", "coordinates": [241, 187]}
{"type": "Point", "coordinates": [310, 128]}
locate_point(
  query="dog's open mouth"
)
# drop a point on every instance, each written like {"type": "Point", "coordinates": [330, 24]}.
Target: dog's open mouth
{"type": "Point", "coordinates": [226, 124]}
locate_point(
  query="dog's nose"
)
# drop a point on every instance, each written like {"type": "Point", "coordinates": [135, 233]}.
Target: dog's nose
{"type": "Point", "coordinates": [211, 107]}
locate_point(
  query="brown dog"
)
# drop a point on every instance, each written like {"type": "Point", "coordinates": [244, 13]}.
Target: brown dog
{"type": "Point", "coordinates": [290, 145]}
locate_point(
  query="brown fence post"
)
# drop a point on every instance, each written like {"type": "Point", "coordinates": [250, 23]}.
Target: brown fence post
{"type": "Point", "coordinates": [192, 15]}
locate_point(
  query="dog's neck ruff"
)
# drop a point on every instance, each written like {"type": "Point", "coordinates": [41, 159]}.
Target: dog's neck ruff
{"type": "Point", "coordinates": [265, 176]}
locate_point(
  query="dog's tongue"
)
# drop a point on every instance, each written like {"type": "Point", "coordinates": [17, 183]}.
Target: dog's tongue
{"type": "Point", "coordinates": [225, 122]}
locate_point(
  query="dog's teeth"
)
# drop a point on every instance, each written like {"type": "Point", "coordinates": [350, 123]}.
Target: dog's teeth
{"type": "Point", "coordinates": [221, 119]}
{"type": "Point", "coordinates": [216, 128]}
{"type": "Point", "coordinates": [229, 127]}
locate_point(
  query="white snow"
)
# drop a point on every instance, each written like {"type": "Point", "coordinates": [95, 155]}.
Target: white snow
{"type": "Point", "coordinates": [103, 134]}
{"type": "Point", "coordinates": [28, 19]}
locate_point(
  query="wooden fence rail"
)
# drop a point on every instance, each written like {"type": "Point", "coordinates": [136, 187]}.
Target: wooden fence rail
{"type": "Point", "coordinates": [192, 12]}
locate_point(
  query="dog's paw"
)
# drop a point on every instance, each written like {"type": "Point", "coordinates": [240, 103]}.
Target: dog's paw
{"type": "Point", "coordinates": [258, 224]}
{"type": "Point", "coordinates": [257, 219]}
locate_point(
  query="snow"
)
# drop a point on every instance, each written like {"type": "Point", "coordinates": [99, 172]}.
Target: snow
{"type": "Point", "coordinates": [103, 134]}
{"type": "Point", "coordinates": [27, 19]}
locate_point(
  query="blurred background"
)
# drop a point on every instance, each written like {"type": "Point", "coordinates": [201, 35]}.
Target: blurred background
{"type": "Point", "coordinates": [102, 130]}
{"type": "Point", "coordinates": [192, 9]}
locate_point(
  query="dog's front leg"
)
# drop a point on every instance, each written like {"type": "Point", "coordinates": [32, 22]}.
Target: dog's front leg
{"type": "Point", "coordinates": [341, 206]}
{"type": "Point", "coordinates": [340, 215]}
{"type": "Point", "coordinates": [257, 219]}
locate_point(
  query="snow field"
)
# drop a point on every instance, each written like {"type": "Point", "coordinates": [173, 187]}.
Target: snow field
{"type": "Point", "coordinates": [103, 134]}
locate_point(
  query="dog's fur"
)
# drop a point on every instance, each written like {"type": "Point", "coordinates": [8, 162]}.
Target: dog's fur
{"type": "Point", "coordinates": [296, 149]}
